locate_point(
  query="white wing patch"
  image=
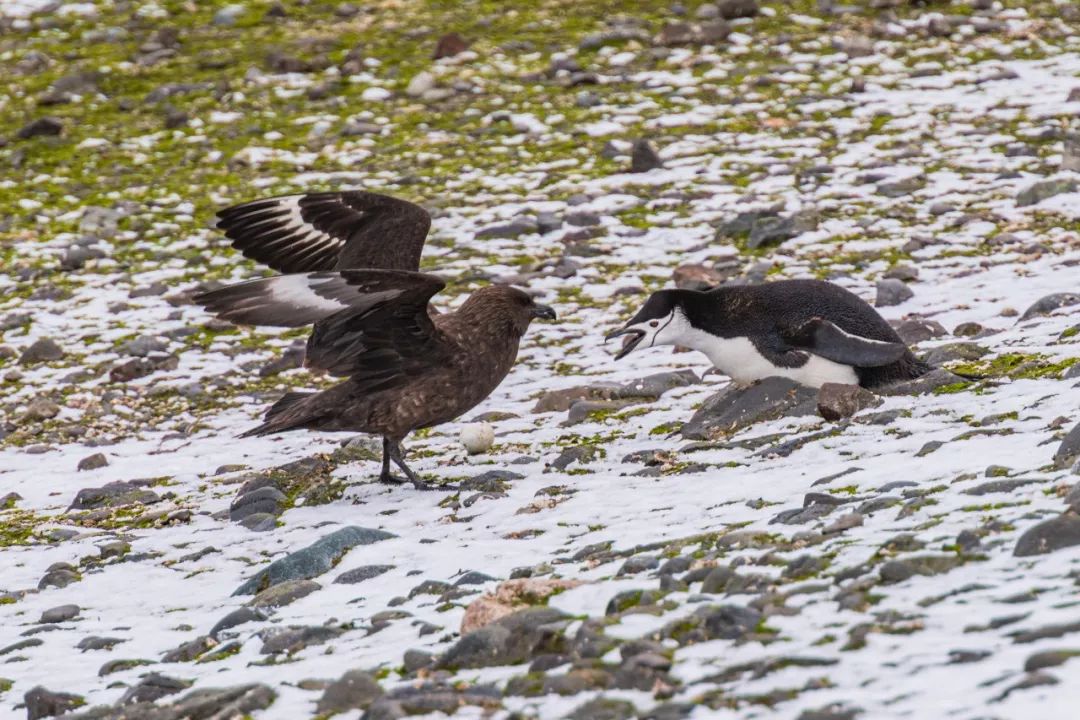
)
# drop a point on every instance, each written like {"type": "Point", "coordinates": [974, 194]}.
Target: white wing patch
{"type": "Point", "coordinates": [301, 291]}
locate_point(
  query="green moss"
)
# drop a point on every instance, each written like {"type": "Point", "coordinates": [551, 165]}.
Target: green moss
{"type": "Point", "coordinates": [1017, 366]}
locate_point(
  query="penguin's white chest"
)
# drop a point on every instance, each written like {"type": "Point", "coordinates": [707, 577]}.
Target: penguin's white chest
{"type": "Point", "coordinates": [740, 360]}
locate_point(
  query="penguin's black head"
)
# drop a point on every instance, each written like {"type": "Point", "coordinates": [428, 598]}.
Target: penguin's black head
{"type": "Point", "coordinates": [661, 320]}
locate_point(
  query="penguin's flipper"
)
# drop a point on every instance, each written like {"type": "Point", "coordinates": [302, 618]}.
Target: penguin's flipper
{"type": "Point", "coordinates": [823, 338]}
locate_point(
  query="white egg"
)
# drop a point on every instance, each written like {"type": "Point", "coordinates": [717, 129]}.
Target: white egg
{"type": "Point", "coordinates": [477, 437]}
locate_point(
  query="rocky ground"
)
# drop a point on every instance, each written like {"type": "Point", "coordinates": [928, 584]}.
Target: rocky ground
{"type": "Point", "coordinates": [642, 540]}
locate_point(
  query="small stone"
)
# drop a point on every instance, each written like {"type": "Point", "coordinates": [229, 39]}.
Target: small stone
{"type": "Point", "coordinates": [237, 617]}
{"type": "Point", "coordinates": [449, 45]}
{"type": "Point", "coordinates": [93, 462]}
{"type": "Point", "coordinates": [907, 273]}
{"type": "Point", "coordinates": [732, 9]}
{"type": "Point", "coordinates": [1070, 157]}
{"type": "Point", "coordinates": [152, 687]}
{"type": "Point", "coordinates": [837, 401]}
{"type": "Point", "coordinates": [59, 614]}
{"type": "Point", "coordinates": [360, 574]}
{"type": "Point", "coordinates": [294, 639]}
{"type": "Point", "coordinates": [917, 330]}
{"type": "Point", "coordinates": [1069, 449]}
{"type": "Point", "coordinates": [696, 277]}
{"type": "Point", "coordinates": [768, 231]}
{"type": "Point", "coordinates": [1049, 303]}
{"type": "Point", "coordinates": [477, 438]}
{"type": "Point", "coordinates": [421, 83]}
{"type": "Point", "coordinates": [43, 350]}
{"type": "Point", "coordinates": [643, 157]}
{"type": "Point", "coordinates": [41, 408]}
{"type": "Point", "coordinates": [43, 126]}
{"type": "Point", "coordinates": [968, 329]}
{"type": "Point", "coordinates": [1049, 535]}
{"type": "Point", "coordinates": [1049, 658]}
{"type": "Point", "coordinates": [42, 703]}
{"type": "Point", "coordinates": [190, 650]}
{"type": "Point", "coordinates": [284, 593]}
{"type": "Point", "coordinates": [892, 292]}
{"type": "Point", "coordinates": [355, 689]}
{"type": "Point", "coordinates": [228, 15]}
{"type": "Point", "coordinates": [1044, 189]}
{"type": "Point", "coordinates": [638, 564]}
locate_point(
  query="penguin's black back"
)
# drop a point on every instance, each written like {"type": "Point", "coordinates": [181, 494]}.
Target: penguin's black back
{"type": "Point", "coordinates": [774, 307]}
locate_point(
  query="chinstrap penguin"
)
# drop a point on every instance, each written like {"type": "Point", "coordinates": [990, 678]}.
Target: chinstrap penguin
{"type": "Point", "coordinates": [810, 331]}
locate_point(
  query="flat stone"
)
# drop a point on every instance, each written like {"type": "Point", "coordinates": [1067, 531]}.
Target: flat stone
{"type": "Point", "coordinates": [152, 687]}
{"type": "Point", "coordinates": [360, 574]}
{"type": "Point", "coordinates": [42, 350]}
{"type": "Point", "coordinates": [1047, 304]}
{"type": "Point", "coordinates": [1049, 658]}
{"type": "Point", "coordinates": [237, 617]}
{"type": "Point", "coordinates": [929, 382]}
{"type": "Point", "coordinates": [284, 593]}
{"type": "Point", "coordinates": [293, 639]}
{"type": "Point", "coordinates": [1039, 191]}
{"type": "Point", "coordinates": [93, 462]}
{"type": "Point", "coordinates": [114, 494]}
{"type": "Point", "coordinates": [954, 352]}
{"type": "Point", "coordinates": [736, 408]}
{"type": "Point", "coordinates": [313, 560]}
{"type": "Point", "coordinates": [59, 614]}
{"type": "Point", "coordinates": [561, 400]}
{"type": "Point", "coordinates": [267, 500]}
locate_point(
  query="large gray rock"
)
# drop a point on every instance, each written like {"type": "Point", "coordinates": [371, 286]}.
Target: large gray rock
{"type": "Point", "coordinates": [735, 408]}
{"type": "Point", "coordinates": [313, 560]}
{"type": "Point", "coordinates": [1050, 535]}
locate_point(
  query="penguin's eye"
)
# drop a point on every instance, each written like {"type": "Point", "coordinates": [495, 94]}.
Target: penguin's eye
{"type": "Point", "coordinates": [654, 323]}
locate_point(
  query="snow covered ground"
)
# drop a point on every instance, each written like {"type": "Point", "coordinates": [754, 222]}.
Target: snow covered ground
{"type": "Point", "coordinates": [894, 594]}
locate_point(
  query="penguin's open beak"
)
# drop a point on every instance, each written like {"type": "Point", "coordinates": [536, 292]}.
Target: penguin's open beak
{"type": "Point", "coordinates": [634, 337]}
{"type": "Point", "coordinates": [544, 312]}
